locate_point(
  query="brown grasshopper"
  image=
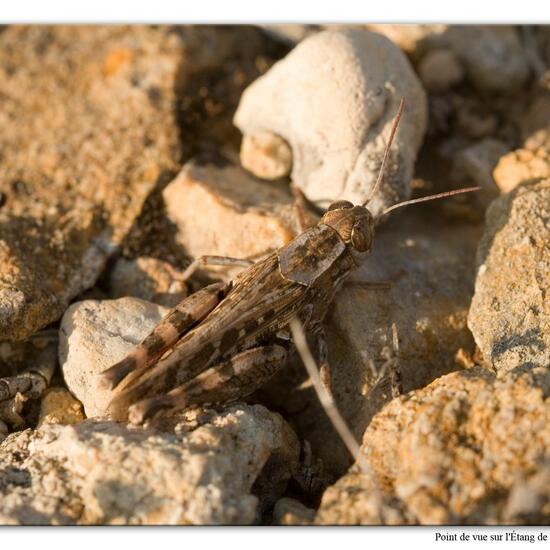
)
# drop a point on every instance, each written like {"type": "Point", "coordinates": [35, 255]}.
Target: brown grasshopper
{"type": "Point", "coordinates": [226, 340]}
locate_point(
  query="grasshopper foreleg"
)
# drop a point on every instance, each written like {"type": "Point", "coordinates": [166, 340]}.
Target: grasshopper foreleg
{"type": "Point", "coordinates": [177, 322]}
{"type": "Point", "coordinates": [230, 380]}
{"type": "Point", "coordinates": [326, 399]}
{"type": "Point", "coordinates": [390, 371]}
{"type": "Point", "coordinates": [395, 371]}
{"type": "Point", "coordinates": [324, 367]}
{"type": "Point", "coordinates": [310, 475]}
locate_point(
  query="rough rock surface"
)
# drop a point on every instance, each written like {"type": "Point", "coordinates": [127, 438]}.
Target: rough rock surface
{"type": "Point", "coordinates": [93, 336]}
{"type": "Point", "coordinates": [58, 406]}
{"type": "Point", "coordinates": [105, 473]}
{"type": "Point", "coordinates": [492, 56]}
{"type": "Point", "coordinates": [88, 129]}
{"type": "Point", "coordinates": [222, 210]}
{"type": "Point", "coordinates": [266, 155]}
{"type": "Point", "coordinates": [149, 279]}
{"type": "Point", "coordinates": [432, 275]}
{"type": "Point", "coordinates": [510, 312]}
{"type": "Point", "coordinates": [467, 449]}
{"type": "Point", "coordinates": [288, 511]}
{"type": "Point", "coordinates": [333, 99]}
{"type": "Point", "coordinates": [477, 161]}
{"type": "Point", "coordinates": [414, 40]}
{"type": "Point", "coordinates": [521, 166]}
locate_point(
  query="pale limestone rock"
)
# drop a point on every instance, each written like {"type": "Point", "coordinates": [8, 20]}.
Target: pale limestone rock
{"type": "Point", "coordinates": [510, 311]}
{"type": "Point", "coordinates": [266, 155]}
{"type": "Point", "coordinates": [521, 166]}
{"type": "Point", "coordinates": [100, 472]}
{"type": "Point", "coordinates": [467, 449]}
{"type": "Point", "coordinates": [333, 99]}
{"type": "Point", "coordinates": [355, 499]}
{"type": "Point", "coordinates": [94, 118]}
{"type": "Point", "coordinates": [94, 335]}
{"type": "Point", "coordinates": [414, 40]}
{"type": "Point", "coordinates": [288, 511]}
{"type": "Point", "coordinates": [58, 406]}
{"type": "Point", "coordinates": [221, 209]}
{"type": "Point", "coordinates": [83, 145]}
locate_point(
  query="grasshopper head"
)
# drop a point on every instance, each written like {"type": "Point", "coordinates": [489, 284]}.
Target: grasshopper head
{"type": "Point", "coordinates": [354, 224]}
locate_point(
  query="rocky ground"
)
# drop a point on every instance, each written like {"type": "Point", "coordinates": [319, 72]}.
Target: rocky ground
{"type": "Point", "coordinates": [126, 152]}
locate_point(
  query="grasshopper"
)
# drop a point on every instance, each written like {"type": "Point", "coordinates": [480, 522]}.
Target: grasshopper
{"type": "Point", "coordinates": [226, 340]}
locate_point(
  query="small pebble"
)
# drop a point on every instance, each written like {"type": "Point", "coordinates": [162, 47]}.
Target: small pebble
{"type": "Point", "coordinates": [440, 70]}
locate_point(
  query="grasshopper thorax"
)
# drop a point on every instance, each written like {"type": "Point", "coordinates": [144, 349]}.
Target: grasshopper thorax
{"type": "Point", "coordinates": [354, 224]}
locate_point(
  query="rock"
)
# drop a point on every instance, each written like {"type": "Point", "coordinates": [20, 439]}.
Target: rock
{"type": "Point", "coordinates": [4, 430]}
{"type": "Point", "coordinates": [477, 162]}
{"type": "Point", "coordinates": [93, 336]}
{"type": "Point", "coordinates": [94, 119]}
{"type": "Point", "coordinates": [58, 406]}
{"type": "Point", "coordinates": [473, 119]}
{"type": "Point", "coordinates": [542, 40]}
{"type": "Point", "coordinates": [466, 449]}
{"type": "Point", "coordinates": [528, 500]}
{"type": "Point", "coordinates": [149, 279]}
{"type": "Point", "coordinates": [521, 166]}
{"type": "Point", "coordinates": [26, 369]}
{"type": "Point", "coordinates": [355, 499]}
{"type": "Point", "coordinates": [492, 56]}
{"type": "Point", "coordinates": [510, 312]}
{"type": "Point", "coordinates": [266, 155]}
{"type": "Point", "coordinates": [534, 123]}
{"type": "Point", "coordinates": [432, 275]}
{"type": "Point", "coordinates": [103, 473]}
{"type": "Point", "coordinates": [333, 98]}
{"type": "Point", "coordinates": [440, 70]}
{"type": "Point", "coordinates": [414, 40]}
{"type": "Point", "coordinates": [223, 210]}
{"type": "Point", "coordinates": [289, 511]}
{"type": "Point", "coordinates": [89, 128]}
{"type": "Point", "coordinates": [290, 33]}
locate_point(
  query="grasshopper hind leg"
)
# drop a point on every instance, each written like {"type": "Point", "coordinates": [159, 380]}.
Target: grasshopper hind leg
{"type": "Point", "coordinates": [230, 380]}
{"type": "Point", "coordinates": [178, 321]}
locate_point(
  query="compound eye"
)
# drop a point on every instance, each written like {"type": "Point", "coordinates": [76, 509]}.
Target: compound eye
{"type": "Point", "coordinates": [361, 235]}
{"type": "Point", "coordinates": [340, 205]}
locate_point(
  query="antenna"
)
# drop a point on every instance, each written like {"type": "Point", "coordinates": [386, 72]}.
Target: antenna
{"type": "Point", "coordinates": [431, 198]}
{"type": "Point", "coordinates": [387, 151]}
